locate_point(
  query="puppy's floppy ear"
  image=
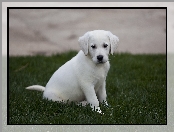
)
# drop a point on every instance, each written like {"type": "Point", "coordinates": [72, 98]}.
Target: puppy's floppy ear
{"type": "Point", "coordinates": [113, 40]}
{"type": "Point", "coordinates": [83, 42]}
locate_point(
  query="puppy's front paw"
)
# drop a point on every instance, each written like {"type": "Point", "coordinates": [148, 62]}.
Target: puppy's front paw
{"type": "Point", "coordinates": [99, 111]}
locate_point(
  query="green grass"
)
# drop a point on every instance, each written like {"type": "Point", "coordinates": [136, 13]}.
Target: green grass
{"type": "Point", "coordinates": [136, 89]}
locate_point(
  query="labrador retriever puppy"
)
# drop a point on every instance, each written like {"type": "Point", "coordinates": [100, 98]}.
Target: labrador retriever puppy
{"type": "Point", "coordinates": [83, 78]}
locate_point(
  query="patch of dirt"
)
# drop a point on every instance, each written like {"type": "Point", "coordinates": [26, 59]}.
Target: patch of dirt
{"type": "Point", "coordinates": [46, 32]}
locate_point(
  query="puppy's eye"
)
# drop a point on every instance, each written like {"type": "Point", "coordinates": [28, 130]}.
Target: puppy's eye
{"type": "Point", "coordinates": [105, 45]}
{"type": "Point", "coordinates": [93, 46]}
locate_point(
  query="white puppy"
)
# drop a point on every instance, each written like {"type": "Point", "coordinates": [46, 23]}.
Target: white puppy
{"type": "Point", "coordinates": [82, 79]}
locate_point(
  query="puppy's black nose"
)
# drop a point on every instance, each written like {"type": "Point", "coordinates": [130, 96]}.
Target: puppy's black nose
{"type": "Point", "coordinates": [100, 57]}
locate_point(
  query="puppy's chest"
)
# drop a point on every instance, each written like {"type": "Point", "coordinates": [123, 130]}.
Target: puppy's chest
{"type": "Point", "coordinates": [97, 75]}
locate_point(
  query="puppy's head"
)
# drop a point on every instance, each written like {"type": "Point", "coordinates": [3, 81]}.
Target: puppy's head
{"type": "Point", "coordinates": [98, 44]}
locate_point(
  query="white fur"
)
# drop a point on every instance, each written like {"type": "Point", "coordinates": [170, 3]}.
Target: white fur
{"type": "Point", "coordinates": [83, 77]}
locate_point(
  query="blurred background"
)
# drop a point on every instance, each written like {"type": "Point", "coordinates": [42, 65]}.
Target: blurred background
{"type": "Point", "coordinates": [51, 31]}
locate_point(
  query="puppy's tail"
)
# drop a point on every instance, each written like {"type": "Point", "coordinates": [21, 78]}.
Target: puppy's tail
{"type": "Point", "coordinates": [36, 87]}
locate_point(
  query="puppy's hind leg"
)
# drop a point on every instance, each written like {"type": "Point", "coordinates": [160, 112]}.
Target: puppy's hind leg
{"type": "Point", "coordinates": [51, 96]}
{"type": "Point", "coordinates": [82, 103]}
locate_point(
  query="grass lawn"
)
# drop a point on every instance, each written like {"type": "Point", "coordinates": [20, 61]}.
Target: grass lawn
{"type": "Point", "coordinates": [136, 89]}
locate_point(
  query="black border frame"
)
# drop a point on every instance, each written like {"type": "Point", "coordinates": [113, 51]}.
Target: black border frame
{"type": "Point", "coordinates": [8, 8]}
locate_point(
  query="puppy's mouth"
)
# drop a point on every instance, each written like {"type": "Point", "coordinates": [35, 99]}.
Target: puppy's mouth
{"type": "Point", "coordinates": [101, 62]}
